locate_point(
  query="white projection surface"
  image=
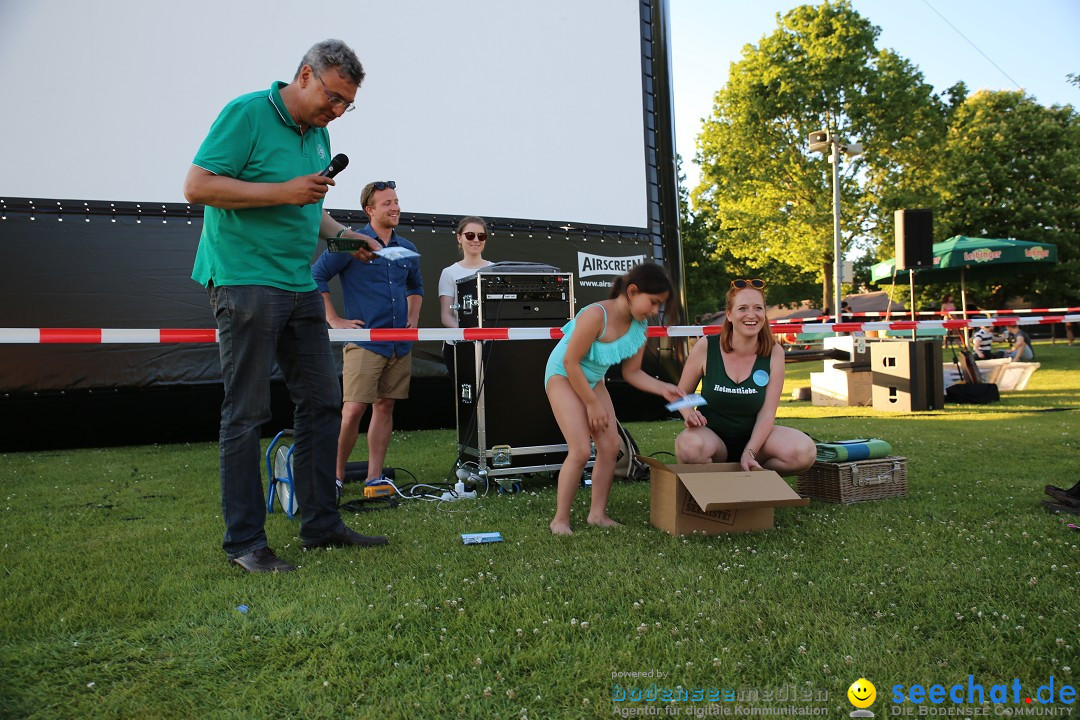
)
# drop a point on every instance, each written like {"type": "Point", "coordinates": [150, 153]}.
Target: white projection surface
{"type": "Point", "coordinates": [502, 108]}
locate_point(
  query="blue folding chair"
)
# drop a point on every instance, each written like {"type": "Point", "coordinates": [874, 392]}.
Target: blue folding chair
{"type": "Point", "coordinates": [279, 471]}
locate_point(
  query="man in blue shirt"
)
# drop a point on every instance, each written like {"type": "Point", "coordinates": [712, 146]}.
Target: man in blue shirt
{"type": "Point", "coordinates": [382, 292]}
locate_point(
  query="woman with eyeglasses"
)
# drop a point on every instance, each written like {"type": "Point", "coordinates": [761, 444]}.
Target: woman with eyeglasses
{"type": "Point", "coordinates": [471, 239]}
{"type": "Point", "coordinates": [741, 372]}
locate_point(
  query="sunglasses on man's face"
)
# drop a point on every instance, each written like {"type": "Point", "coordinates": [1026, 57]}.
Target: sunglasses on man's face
{"type": "Point", "coordinates": [756, 283]}
{"type": "Point", "coordinates": [470, 236]}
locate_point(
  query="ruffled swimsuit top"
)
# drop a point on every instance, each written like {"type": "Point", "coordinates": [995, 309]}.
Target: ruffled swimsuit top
{"type": "Point", "coordinates": [601, 355]}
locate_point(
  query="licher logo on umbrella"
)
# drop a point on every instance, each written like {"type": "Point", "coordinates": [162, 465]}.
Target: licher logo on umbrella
{"type": "Point", "coordinates": [1037, 253]}
{"type": "Point", "coordinates": [982, 255]}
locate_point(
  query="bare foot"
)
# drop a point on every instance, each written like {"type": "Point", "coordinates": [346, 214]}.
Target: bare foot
{"type": "Point", "coordinates": [558, 527]}
{"type": "Point", "coordinates": [603, 521]}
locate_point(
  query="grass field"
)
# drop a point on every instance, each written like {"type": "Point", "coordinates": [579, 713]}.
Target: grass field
{"type": "Point", "coordinates": [118, 603]}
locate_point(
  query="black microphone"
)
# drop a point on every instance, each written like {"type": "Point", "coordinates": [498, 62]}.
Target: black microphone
{"type": "Point", "coordinates": [336, 165]}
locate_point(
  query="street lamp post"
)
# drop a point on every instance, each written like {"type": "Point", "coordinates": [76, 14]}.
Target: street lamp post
{"type": "Point", "coordinates": [822, 141]}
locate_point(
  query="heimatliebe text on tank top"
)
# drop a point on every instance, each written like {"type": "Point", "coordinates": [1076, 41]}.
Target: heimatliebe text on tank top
{"type": "Point", "coordinates": [736, 390]}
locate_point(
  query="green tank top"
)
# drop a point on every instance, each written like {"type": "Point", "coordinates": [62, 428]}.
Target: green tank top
{"type": "Point", "coordinates": [733, 407]}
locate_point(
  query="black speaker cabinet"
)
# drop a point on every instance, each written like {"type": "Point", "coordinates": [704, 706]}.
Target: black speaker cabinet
{"type": "Point", "coordinates": [494, 298]}
{"type": "Point", "coordinates": [907, 375]}
{"type": "Point", "coordinates": [504, 422]}
{"type": "Point", "coordinates": [914, 239]}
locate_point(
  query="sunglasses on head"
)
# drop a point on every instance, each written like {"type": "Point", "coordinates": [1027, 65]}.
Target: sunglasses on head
{"type": "Point", "coordinates": [365, 197]}
{"type": "Point", "coordinates": [470, 236]}
{"type": "Point", "coordinates": [756, 283]}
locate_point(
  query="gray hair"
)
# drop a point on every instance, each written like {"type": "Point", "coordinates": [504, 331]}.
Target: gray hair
{"type": "Point", "coordinates": [333, 54]}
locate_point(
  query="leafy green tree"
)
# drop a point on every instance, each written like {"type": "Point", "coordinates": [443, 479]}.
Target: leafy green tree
{"type": "Point", "coordinates": [1011, 168]}
{"type": "Point", "coordinates": [709, 269]}
{"type": "Point", "coordinates": [764, 201]}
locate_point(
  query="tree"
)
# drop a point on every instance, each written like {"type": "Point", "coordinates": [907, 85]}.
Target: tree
{"type": "Point", "coordinates": [1011, 168]}
{"type": "Point", "coordinates": [709, 269]}
{"type": "Point", "coordinates": [764, 200]}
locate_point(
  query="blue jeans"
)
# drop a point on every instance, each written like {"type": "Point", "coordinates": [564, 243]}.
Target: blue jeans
{"type": "Point", "coordinates": [256, 325]}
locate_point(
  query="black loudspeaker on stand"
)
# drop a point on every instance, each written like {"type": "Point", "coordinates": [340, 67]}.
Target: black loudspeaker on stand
{"type": "Point", "coordinates": [914, 239]}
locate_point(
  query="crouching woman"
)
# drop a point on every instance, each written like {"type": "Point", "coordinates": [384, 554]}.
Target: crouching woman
{"type": "Point", "coordinates": [741, 372]}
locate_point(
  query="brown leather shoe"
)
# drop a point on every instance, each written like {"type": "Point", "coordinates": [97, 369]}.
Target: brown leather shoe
{"type": "Point", "coordinates": [262, 560]}
{"type": "Point", "coordinates": [1061, 496]}
{"type": "Point", "coordinates": [346, 537]}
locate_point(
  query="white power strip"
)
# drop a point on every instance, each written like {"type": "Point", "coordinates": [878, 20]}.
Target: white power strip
{"type": "Point", "coordinates": [459, 493]}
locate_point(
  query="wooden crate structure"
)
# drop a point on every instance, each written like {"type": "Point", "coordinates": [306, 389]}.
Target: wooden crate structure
{"type": "Point", "coordinates": [855, 481]}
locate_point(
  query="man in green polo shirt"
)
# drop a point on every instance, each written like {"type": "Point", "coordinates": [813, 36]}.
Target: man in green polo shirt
{"type": "Point", "coordinates": [258, 174]}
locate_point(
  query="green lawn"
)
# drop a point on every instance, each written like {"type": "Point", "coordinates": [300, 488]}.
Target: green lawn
{"type": "Point", "coordinates": [118, 603]}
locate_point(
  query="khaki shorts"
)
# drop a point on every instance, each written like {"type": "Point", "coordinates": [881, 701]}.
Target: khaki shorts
{"type": "Point", "coordinates": [368, 376]}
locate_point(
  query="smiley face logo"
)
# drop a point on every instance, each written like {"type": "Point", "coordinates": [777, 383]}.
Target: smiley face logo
{"type": "Point", "coordinates": [862, 693]}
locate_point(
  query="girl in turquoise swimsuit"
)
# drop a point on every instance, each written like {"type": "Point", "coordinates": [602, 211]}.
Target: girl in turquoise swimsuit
{"type": "Point", "coordinates": [603, 334]}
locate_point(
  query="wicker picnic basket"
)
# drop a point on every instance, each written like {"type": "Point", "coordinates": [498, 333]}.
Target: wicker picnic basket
{"type": "Point", "coordinates": [855, 481]}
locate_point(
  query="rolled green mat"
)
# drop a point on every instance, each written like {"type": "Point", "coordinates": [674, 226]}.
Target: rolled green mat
{"type": "Point", "coordinates": [843, 450]}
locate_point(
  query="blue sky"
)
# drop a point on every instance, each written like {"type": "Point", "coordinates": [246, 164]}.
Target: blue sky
{"type": "Point", "coordinates": [1033, 44]}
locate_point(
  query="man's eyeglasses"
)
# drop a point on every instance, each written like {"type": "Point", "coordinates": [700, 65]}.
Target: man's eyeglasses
{"type": "Point", "coordinates": [756, 283]}
{"type": "Point", "coordinates": [336, 101]}
{"type": "Point", "coordinates": [380, 185]}
{"type": "Point", "coordinates": [470, 236]}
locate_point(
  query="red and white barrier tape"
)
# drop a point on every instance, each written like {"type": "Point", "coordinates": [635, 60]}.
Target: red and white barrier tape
{"type": "Point", "coordinates": [933, 313]}
{"type": "Point", "coordinates": [106, 336]}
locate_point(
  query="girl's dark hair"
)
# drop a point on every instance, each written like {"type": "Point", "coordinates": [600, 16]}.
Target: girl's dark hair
{"type": "Point", "coordinates": [648, 277]}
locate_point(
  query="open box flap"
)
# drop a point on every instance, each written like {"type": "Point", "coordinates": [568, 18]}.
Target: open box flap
{"type": "Point", "coordinates": [713, 490]}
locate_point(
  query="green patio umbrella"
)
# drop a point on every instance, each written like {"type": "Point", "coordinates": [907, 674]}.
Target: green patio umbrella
{"type": "Point", "coordinates": [958, 256]}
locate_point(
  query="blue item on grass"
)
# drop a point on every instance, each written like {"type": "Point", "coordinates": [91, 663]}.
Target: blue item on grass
{"type": "Point", "coordinates": [845, 450]}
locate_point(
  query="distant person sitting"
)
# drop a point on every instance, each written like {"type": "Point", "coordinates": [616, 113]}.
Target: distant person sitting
{"type": "Point", "coordinates": [947, 307]}
{"type": "Point", "coordinates": [982, 345]}
{"type": "Point", "coordinates": [1021, 349]}
{"type": "Point", "coordinates": [948, 312]}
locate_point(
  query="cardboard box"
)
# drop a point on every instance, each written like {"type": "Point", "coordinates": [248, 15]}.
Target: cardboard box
{"type": "Point", "coordinates": [715, 498]}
